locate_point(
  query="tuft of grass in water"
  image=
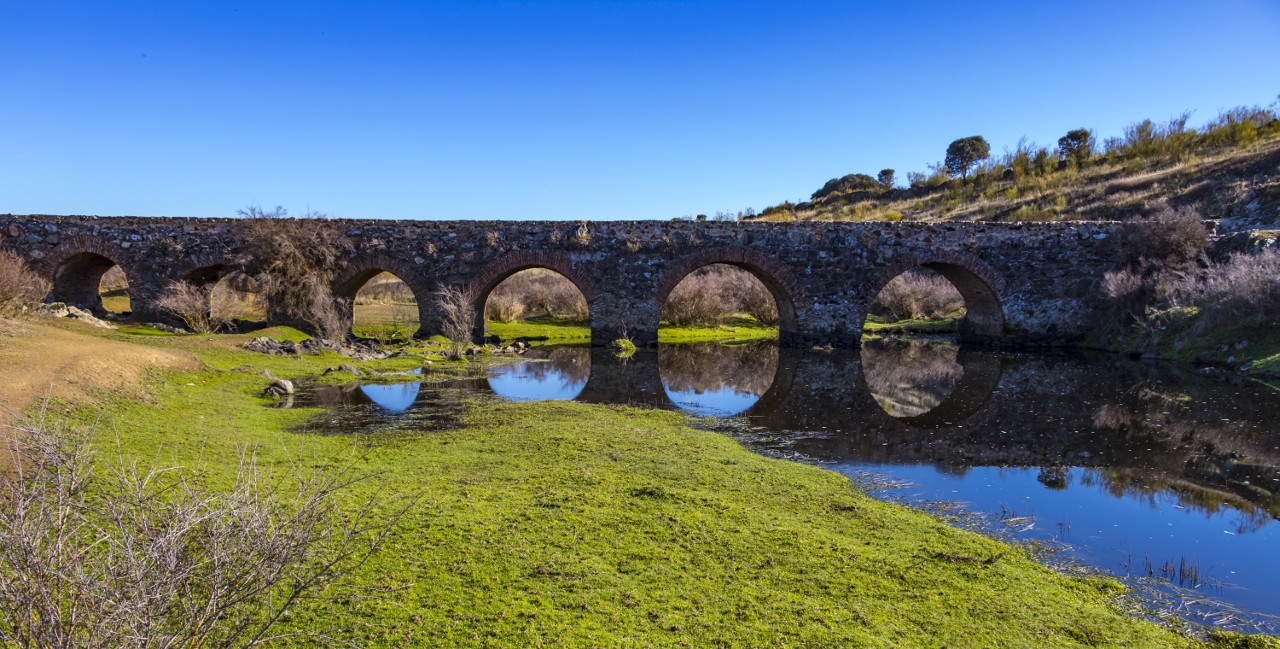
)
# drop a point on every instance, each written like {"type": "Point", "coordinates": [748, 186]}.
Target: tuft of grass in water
{"type": "Point", "coordinates": [591, 525]}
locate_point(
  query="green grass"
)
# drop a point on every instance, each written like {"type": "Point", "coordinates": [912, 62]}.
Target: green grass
{"type": "Point", "coordinates": [116, 300]}
{"type": "Point", "coordinates": [876, 325]}
{"type": "Point", "coordinates": [553, 330]}
{"type": "Point", "coordinates": [590, 525]}
{"type": "Point", "coordinates": [739, 328]}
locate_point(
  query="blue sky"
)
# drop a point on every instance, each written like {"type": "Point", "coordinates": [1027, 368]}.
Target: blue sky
{"type": "Point", "coordinates": [572, 110]}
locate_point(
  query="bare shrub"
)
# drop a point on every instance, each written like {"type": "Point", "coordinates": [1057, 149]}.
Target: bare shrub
{"type": "Point", "coordinates": [20, 288]}
{"type": "Point", "coordinates": [533, 293]}
{"type": "Point", "coordinates": [133, 556]}
{"type": "Point", "coordinates": [457, 317]}
{"type": "Point", "coordinates": [713, 293]}
{"type": "Point", "coordinates": [504, 308]}
{"type": "Point", "coordinates": [1244, 292]}
{"type": "Point", "coordinates": [292, 261]}
{"type": "Point", "coordinates": [1169, 237]}
{"type": "Point", "coordinates": [919, 294]}
{"type": "Point", "coordinates": [113, 280]}
{"type": "Point", "coordinates": [385, 288]}
{"type": "Point", "coordinates": [196, 306]}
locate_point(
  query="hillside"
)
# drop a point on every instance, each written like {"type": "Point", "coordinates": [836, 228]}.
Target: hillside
{"type": "Point", "coordinates": [1228, 169]}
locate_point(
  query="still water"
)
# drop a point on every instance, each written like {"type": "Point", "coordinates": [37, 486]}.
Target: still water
{"type": "Point", "coordinates": [1154, 473]}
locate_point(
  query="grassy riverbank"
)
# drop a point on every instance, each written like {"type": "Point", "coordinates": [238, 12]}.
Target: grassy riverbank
{"type": "Point", "coordinates": [739, 328]}
{"type": "Point", "coordinates": [588, 525]}
{"type": "Point", "coordinates": [552, 330]}
{"type": "Point", "coordinates": [877, 326]}
{"type": "Point", "coordinates": [544, 329]}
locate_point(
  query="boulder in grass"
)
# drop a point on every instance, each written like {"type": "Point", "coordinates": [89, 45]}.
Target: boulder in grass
{"type": "Point", "coordinates": [278, 388]}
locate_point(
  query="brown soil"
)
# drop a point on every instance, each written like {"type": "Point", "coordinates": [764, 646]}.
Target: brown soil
{"type": "Point", "coordinates": [38, 360]}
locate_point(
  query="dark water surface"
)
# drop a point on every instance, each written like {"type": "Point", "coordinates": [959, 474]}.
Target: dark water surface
{"type": "Point", "coordinates": [1143, 471]}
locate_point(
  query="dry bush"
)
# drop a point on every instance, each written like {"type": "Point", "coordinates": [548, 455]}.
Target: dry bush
{"type": "Point", "coordinates": [1168, 238]}
{"type": "Point", "coordinates": [385, 289]}
{"type": "Point", "coordinates": [1244, 292]}
{"type": "Point", "coordinates": [919, 294]}
{"type": "Point", "coordinates": [292, 262]}
{"type": "Point", "coordinates": [142, 557]}
{"type": "Point", "coordinates": [506, 307]}
{"type": "Point", "coordinates": [536, 292]}
{"type": "Point", "coordinates": [710, 294]}
{"type": "Point", "coordinates": [113, 280]}
{"type": "Point", "coordinates": [199, 308]}
{"type": "Point", "coordinates": [20, 288]}
{"type": "Point", "coordinates": [457, 317]}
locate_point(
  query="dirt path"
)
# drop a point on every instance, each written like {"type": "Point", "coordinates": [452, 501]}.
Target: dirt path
{"type": "Point", "coordinates": [39, 360]}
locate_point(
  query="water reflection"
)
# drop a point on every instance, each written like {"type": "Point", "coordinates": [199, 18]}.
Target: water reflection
{"type": "Point", "coordinates": [561, 377]}
{"type": "Point", "coordinates": [396, 397]}
{"type": "Point", "coordinates": [1142, 470]}
{"type": "Point", "coordinates": [715, 380]}
{"type": "Point", "coordinates": [909, 378]}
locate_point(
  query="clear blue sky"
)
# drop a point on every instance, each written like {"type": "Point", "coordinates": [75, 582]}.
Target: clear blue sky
{"type": "Point", "coordinates": [572, 110]}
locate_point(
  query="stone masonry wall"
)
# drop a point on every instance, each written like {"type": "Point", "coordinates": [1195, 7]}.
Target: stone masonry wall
{"type": "Point", "coordinates": [1023, 282]}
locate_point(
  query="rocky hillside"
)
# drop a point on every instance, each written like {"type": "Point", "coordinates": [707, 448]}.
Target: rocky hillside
{"type": "Point", "coordinates": [1228, 170]}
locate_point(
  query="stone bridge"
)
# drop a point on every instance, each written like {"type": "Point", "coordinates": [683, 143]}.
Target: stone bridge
{"type": "Point", "coordinates": [1023, 283]}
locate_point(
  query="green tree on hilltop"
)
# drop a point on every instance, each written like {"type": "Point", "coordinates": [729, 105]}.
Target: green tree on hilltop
{"type": "Point", "coordinates": [964, 153]}
{"type": "Point", "coordinates": [849, 183]}
{"type": "Point", "coordinates": [1077, 145]}
{"type": "Point", "coordinates": [885, 178]}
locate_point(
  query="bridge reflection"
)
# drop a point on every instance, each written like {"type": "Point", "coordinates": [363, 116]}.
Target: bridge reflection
{"type": "Point", "coordinates": [955, 409]}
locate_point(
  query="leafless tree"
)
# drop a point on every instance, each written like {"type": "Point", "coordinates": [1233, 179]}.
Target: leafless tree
{"type": "Point", "coordinates": [457, 316]}
{"type": "Point", "coordinates": [143, 557]}
{"type": "Point", "coordinates": [292, 262]}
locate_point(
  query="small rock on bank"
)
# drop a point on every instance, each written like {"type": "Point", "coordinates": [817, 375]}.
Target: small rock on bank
{"type": "Point", "coordinates": [278, 388]}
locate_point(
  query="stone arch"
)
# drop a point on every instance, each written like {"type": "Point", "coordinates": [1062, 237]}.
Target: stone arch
{"type": "Point", "coordinates": [787, 290]}
{"type": "Point", "coordinates": [203, 270]}
{"type": "Point", "coordinates": [76, 265]}
{"type": "Point", "coordinates": [978, 283]}
{"type": "Point", "coordinates": [494, 272]}
{"type": "Point", "coordinates": [359, 271]}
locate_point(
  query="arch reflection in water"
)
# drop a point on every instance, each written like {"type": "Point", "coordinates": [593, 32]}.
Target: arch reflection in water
{"type": "Point", "coordinates": [712, 379]}
{"type": "Point", "coordinates": [561, 376]}
{"type": "Point", "coordinates": [396, 397]}
{"type": "Point", "coordinates": [910, 377]}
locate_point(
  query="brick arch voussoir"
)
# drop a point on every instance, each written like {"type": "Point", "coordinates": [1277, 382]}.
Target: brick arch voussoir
{"type": "Point", "coordinates": [746, 256]}
{"type": "Point", "coordinates": [82, 243]}
{"type": "Point", "coordinates": [499, 269]}
{"type": "Point", "coordinates": [382, 263]}
{"type": "Point", "coordinates": [903, 263]}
